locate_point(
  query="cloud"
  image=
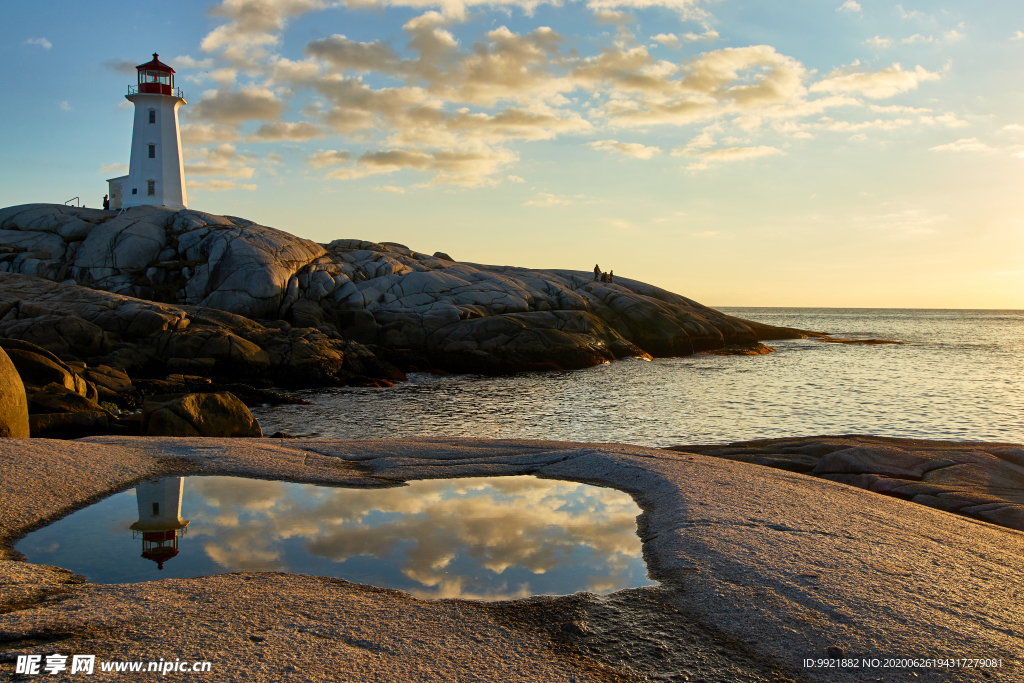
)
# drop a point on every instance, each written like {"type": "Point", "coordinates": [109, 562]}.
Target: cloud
{"type": "Point", "coordinates": [949, 120]}
{"type": "Point", "coordinates": [121, 66]}
{"type": "Point", "coordinates": [880, 124]}
{"type": "Point", "coordinates": [709, 36]}
{"type": "Point", "coordinates": [390, 188]}
{"type": "Point", "coordinates": [874, 85]}
{"type": "Point", "coordinates": [608, 16]}
{"type": "Point", "coordinates": [349, 55]}
{"type": "Point", "coordinates": [219, 185]}
{"type": "Point", "coordinates": [917, 38]}
{"type": "Point", "coordinates": [731, 154]}
{"type": "Point", "coordinates": [879, 42]}
{"type": "Point", "coordinates": [849, 6]}
{"type": "Point", "coordinates": [1014, 127]}
{"type": "Point", "coordinates": [897, 109]}
{"type": "Point", "coordinates": [114, 169]}
{"type": "Point", "coordinates": [222, 160]}
{"type": "Point", "coordinates": [279, 130]}
{"type": "Point", "coordinates": [913, 14]}
{"type": "Point", "coordinates": [234, 106]}
{"type": "Point", "coordinates": [458, 167]}
{"type": "Point", "coordinates": [204, 133]}
{"type": "Point", "coordinates": [1017, 35]}
{"type": "Point", "coordinates": [186, 62]}
{"type": "Point", "coordinates": [515, 179]}
{"type": "Point", "coordinates": [546, 199]}
{"type": "Point", "coordinates": [964, 145]}
{"type": "Point", "coordinates": [328, 157]}
{"type": "Point", "coordinates": [704, 233]}
{"type": "Point", "coordinates": [632, 149]}
{"type": "Point", "coordinates": [41, 42]}
{"type": "Point", "coordinates": [669, 39]}
{"type": "Point", "coordinates": [65, 106]}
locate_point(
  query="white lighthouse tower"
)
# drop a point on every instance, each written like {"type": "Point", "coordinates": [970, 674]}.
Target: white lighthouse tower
{"type": "Point", "coordinates": [160, 518]}
{"type": "Point", "coordinates": [156, 174]}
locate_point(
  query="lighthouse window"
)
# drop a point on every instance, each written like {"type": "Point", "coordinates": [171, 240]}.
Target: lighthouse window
{"type": "Point", "coordinates": [161, 77]}
{"type": "Point", "coordinates": [151, 187]}
{"type": "Point", "coordinates": [156, 509]}
{"type": "Point", "coordinates": [152, 151]}
{"type": "Point", "coordinates": [152, 116]}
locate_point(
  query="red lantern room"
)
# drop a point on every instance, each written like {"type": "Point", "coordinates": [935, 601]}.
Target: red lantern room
{"type": "Point", "coordinates": [156, 77]}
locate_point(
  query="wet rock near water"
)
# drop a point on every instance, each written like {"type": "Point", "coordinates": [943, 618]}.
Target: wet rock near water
{"type": "Point", "coordinates": [209, 415]}
{"type": "Point", "coordinates": [980, 480]}
{"type": "Point", "coordinates": [454, 316]}
{"type": "Point", "coordinates": [61, 403]}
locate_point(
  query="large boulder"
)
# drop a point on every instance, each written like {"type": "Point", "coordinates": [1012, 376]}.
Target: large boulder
{"type": "Point", "coordinates": [211, 415]}
{"type": "Point", "coordinates": [13, 402]}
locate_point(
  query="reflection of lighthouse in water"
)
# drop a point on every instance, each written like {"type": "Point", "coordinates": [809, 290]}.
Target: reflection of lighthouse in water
{"type": "Point", "coordinates": [159, 518]}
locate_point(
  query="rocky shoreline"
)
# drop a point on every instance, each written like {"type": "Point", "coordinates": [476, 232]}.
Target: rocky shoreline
{"type": "Point", "coordinates": [159, 292]}
{"type": "Point", "coordinates": [759, 569]}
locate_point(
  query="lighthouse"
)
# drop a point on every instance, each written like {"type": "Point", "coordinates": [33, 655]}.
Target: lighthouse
{"type": "Point", "coordinates": [156, 174]}
{"type": "Point", "coordinates": [159, 518]}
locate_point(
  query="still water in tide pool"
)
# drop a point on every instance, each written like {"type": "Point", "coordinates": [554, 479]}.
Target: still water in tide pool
{"type": "Point", "coordinates": [956, 375]}
{"type": "Point", "coordinates": [483, 538]}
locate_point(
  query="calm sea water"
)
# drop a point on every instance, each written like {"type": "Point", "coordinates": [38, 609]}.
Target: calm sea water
{"type": "Point", "coordinates": [958, 375]}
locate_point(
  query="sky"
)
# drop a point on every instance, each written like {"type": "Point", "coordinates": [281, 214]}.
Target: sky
{"type": "Point", "coordinates": [742, 153]}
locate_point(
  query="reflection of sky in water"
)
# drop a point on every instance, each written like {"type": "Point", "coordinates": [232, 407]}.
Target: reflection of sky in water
{"type": "Point", "coordinates": [489, 538]}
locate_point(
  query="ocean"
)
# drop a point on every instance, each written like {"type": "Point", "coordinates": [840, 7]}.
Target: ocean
{"type": "Point", "coordinates": [957, 375]}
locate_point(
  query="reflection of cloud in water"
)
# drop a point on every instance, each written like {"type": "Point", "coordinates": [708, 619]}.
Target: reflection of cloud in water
{"type": "Point", "coordinates": [440, 533]}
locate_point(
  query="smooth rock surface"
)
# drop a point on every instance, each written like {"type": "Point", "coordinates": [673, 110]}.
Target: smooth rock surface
{"type": "Point", "coordinates": [759, 569]}
{"type": "Point", "coordinates": [13, 401]}
{"type": "Point", "coordinates": [211, 415]}
{"type": "Point", "coordinates": [980, 480]}
{"type": "Point", "coordinates": [425, 310]}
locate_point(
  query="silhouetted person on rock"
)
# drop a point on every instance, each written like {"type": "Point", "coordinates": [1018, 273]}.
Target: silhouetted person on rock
{"type": "Point", "coordinates": [106, 203]}
{"type": "Point", "coordinates": [604, 277]}
{"type": "Point", "coordinates": [597, 272]}
{"type": "Point", "coordinates": [611, 276]}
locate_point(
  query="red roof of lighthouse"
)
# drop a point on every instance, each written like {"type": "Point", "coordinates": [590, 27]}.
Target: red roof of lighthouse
{"type": "Point", "coordinates": [155, 64]}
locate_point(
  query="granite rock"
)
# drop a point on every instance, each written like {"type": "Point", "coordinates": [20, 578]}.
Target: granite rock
{"type": "Point", "coordinates": [450, 315]}
{"type": "Point", "coordinates": [210, 415]}
{"type": "Point", "coordinates": [144, 339]}
{"type": "Point", "coordinates": [13, 402]}
{"type": "Point", "coordinates": [984, 481]}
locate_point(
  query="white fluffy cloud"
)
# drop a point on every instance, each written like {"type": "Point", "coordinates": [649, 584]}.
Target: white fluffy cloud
{"type": "Point", "coordinates": [849, 6]}
{"type": "Point", "coordinates": [451, 110]}
{"type": "Point", "coordinates": [874, 84]}
{"type": "Point", "coordinates": [41, 42]}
